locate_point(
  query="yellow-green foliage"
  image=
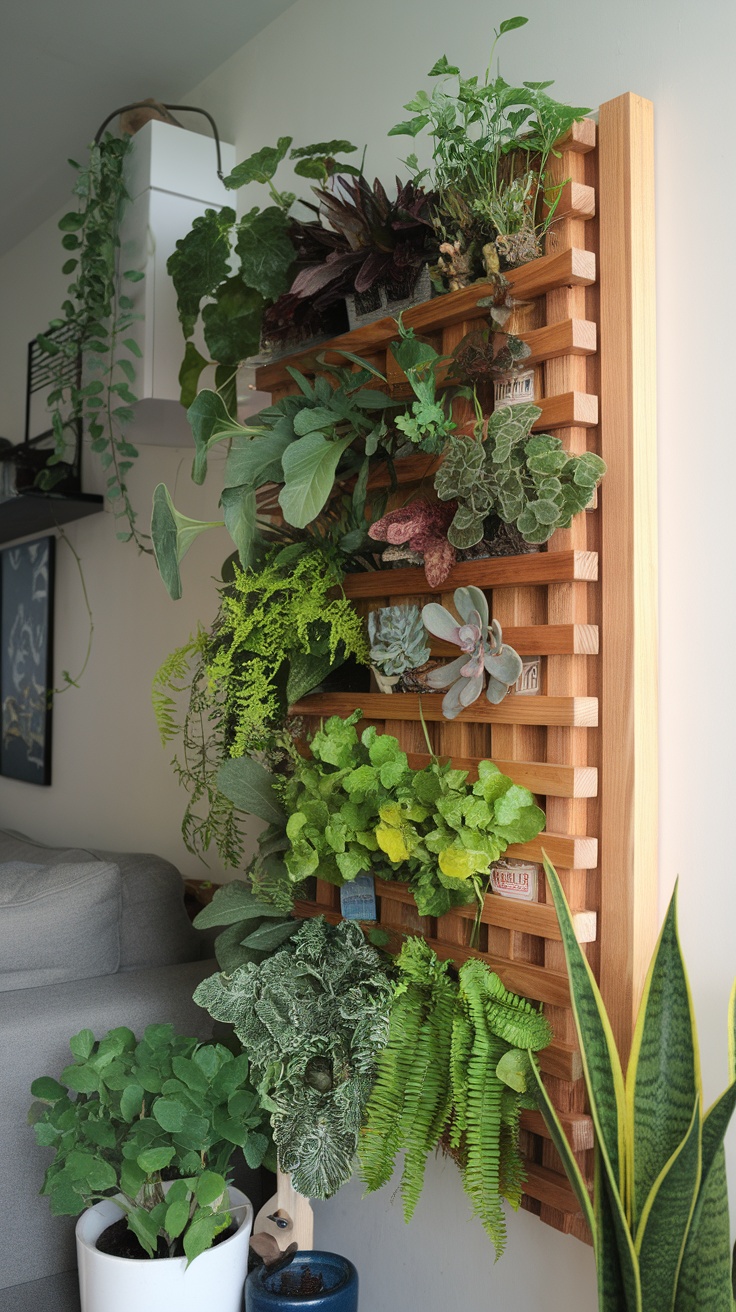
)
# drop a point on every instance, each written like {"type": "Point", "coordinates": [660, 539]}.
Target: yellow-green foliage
{"type": "Point", "coordinates": [439, 1081]}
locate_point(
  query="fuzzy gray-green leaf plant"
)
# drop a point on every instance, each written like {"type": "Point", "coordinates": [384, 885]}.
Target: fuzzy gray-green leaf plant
{"type": "Point", "coordinates": [398, 639]}
{"type": "Point", "coordinates": [483, 652]}
{"type": "Point", "coordinates": [312, 1018]}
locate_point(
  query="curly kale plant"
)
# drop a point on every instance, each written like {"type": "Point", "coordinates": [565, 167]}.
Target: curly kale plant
{"type": "Point", "coordinates": [127, 1114]}
{"type": "Point", "coordinates": [312, 1019]}
{"type": "Point", "coordinates": [531, 482]}
{"type": "Point", "coordinates": [453, 1074]}
{"type": "Point", "coordinates": [483, 651]}
{"type": "Point", "coordinates": [398, 639]}
{"type": "Point", "coordinates": [358, 807]}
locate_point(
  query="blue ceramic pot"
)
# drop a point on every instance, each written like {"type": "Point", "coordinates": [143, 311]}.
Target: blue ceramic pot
{"type": "Point", "coordinates": [339, 1276]}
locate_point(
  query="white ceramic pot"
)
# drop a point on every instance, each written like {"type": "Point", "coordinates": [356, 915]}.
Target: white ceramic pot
{"type": "Point", "coordinates": [120, 1284]}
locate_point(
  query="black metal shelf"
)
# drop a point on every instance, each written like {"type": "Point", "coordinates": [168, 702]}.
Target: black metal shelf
{"type": "Point", "coordinates": [36, 512]}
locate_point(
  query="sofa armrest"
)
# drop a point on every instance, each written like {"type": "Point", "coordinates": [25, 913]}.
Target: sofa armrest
{"type": "Point", "coordinates": [35, 1028]}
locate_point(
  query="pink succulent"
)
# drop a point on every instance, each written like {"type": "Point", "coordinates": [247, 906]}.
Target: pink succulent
{"type": "Point", "coordinates": [424, 525]}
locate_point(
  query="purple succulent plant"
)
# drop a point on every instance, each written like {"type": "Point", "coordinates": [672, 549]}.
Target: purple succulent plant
{"type": "Point", "coordinates": [483, 652]}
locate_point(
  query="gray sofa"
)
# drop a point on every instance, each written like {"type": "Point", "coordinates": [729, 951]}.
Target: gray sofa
{"type": "Point", "coordinates": [88, 939]}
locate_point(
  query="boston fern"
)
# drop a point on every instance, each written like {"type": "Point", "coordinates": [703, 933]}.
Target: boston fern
{"type": "Point", "coordinates": [450, 1076]}
{"type": "Point", "coordinates": [312, 1018]}
{"type": "Point", "coordinates": [356, 806]}
{"type": "Point", "coordinates": [96, 318]}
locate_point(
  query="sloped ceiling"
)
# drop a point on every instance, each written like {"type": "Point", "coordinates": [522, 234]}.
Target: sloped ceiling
{"type": "Point", "coordinates": [65, 64]}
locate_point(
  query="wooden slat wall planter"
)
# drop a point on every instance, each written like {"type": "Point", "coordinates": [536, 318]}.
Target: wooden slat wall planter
{"type": "Point", "coordinates": [586, 604]}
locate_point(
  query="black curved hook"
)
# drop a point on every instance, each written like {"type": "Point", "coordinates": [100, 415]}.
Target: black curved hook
{"type": "Point", "coordinates": [188, 109]}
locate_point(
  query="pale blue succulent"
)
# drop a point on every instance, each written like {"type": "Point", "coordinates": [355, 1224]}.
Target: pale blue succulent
{"type": "Point", "coordinates": [398, 639]}
{"type": "Point", "coordinates": [483, 652]}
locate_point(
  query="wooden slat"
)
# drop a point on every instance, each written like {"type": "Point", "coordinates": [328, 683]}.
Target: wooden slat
{"type": "Point", "coordinates": [629, 887]}
{"type": "Point", "coordinates": [561, 1060]}
{"type": "Point", "coordinates": [577, 201]}
{"type": "Point", "coordinates": [564, 269]}
{"type": "Point", "coordinates": [568, 337]}
{"type": "Point", "coordinates": [551, 1188]}
{"type": "Point", "coordinates": [581, 137]}
{"type": "Point", "coordinates": [539, 640]}
{"type": "Point", "coordinates": [524, 917]}
{"type": "Point", "coordinates": [569, 851]}
{"type": "Point", "coordinates": [538, 776]}
{"type": "Point", "coordinates": [578, 409]}
{"type": "Point", "coordinates": [495, 572]}
{"type": "Point", "coordinates": [530, 981]}
{"type": "Point", "coordinates": [581, 712]}
{"type": "Point", "coordinates": [577, 1126]}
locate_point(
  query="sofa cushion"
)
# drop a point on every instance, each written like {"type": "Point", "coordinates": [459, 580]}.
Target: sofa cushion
{"type": "Point", "coordinates": [58, 922]}
{"type": "Point", "coordinates": [155, 929]}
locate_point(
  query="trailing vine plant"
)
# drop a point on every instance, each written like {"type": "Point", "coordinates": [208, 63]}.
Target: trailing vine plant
{"type": "Point", "coordinates": [95, 325]}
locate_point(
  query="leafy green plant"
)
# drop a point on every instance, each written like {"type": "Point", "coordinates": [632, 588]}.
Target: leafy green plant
{"type": "Point", "coordinates": [659, 1218]}
{"type": "Point", "coordinates": [312, 1018]}
{"type": "Point", "coordinates": [430, 422]}
{"type": "Point", "coordinates": [358, 807]}
{"type": "Point", "coordinates": [96, 318]}
{"type": "Point", "coordinates": [398, 640]}
{"type": "Point", "coordinates": [302, 442]}
{"type": "Point", "coordinates": [254, 928]}
{"type": "Point", "coordinates": [483, 652]}
{"type": "Point", "coordinates": [127, 1115]}
{"type": "Point", "coordinates": [531, 482]}
{"type": "Point", "coordinates": [448, 1077]}
{"type": "Point", "coordinates": [279, 631]}
{"type": "Point", "coordinates": [259, 245]}
{"type": "Point", "coordinates": [491, 146]}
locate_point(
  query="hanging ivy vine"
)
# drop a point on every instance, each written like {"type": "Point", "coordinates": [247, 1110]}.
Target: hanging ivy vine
{"type": "Point", "coordinates": [96, 321]}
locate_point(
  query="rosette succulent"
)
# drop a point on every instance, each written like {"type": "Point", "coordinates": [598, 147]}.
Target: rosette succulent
{"type": "Point", "coordinates": [398, 639]}
{"type": "Point", "coordinates": [483, 652]}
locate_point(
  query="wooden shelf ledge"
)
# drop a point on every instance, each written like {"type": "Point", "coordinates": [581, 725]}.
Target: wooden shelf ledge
{"type": "Point", "coordinates": [536, 568]}
{"type": "Point", "coordinates": [521, 917]}
{"type": "Point", "coordinates": [550, 1188]}
{"type": "Point", "coordinates": [570, 268]}
{"type": "Point", "coordinates": [538, 776]}
{"type": "Point", "coordinates": [568, 337]}
{"type": "Point", "coordinates": [559, 712]}
{"type": "Point", "coordinates": [535, 982]}
{"type": "Point", "coordinates": [577, 1126]}
{"type": "Point", "coordinates": [565, 851]}
{"type": "Point", "coordinates": [539, 640]}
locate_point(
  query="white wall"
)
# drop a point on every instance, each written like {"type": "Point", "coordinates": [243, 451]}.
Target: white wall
{"type": "Point", "coordinates": [338, 68]}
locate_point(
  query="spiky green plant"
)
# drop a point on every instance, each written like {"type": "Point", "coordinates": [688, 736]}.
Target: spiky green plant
{"type": "Point", "coordinates": [444, 1077]}
{"type": "Point", "coordinates": [659, 1217]}
{"type": "Point", "coordinates": [312, 1018]}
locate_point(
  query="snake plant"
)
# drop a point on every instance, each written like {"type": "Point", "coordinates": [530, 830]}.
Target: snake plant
{"type": "Point", "coordinates": [659, 1217]}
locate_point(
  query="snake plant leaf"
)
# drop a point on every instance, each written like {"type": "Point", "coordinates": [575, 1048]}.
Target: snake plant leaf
{"type": "Point", "coordinates": [663, 1079]}
{"type": "Point", "coordinates": [705, 1273]}
{"type": "Point", "coordinates": [210, 423]}
{"type": "Point", "coordinates": [306, 671]}
{"type": "Point", "coordinates": [250, 786]}
{"type": "Point", "coordinates": [309, 467]}
{"type": "Point", "coordinates": [172, 535]}
{"type": "Point", "coordinates": [601, 1063]}
{"type": "Point", "coordinates": [561, 1143]}
{"type": "Point", "coordinates": [240, 511]}
{"type": "Point", "coordinates": [665, 1220]}
{"type": "Point", "coordinates": [619, 1288]}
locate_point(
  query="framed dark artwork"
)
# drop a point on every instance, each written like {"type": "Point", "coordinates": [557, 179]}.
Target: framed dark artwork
{"type": "Point", "coordinates": [26, 659]}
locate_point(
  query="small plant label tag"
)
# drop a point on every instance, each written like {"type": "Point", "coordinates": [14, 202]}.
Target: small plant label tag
{"type": "Point", "coordinates": [528, 683]}
{"type": "Point", "coordinates": [513, 389]}
{"type": "Point", "coordinates": [358, 898]}
{"type": "Point", "coordinates": [515, 879]}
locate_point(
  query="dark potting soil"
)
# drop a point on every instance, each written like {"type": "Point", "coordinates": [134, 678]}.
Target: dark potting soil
{"type": "Point", "coordinates": [118, 1241]}
{"type": "Point", "coordinates": [306, 1285]}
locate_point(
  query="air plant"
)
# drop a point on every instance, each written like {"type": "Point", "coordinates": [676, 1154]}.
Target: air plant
{"type": "Point", "coordinates": [382, 242]}
{"type": "Point", "coordinates": [483, 652]}
{"type": "Point", "coordinates": [423, 525]}
{"type": "Point", "coordinates": [398, 639]}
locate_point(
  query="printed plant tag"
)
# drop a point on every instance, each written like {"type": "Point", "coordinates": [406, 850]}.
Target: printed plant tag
{"type": "Point", "coordinates": [358, 898]}
{"type": "Point", "coordinates": [515, 879]}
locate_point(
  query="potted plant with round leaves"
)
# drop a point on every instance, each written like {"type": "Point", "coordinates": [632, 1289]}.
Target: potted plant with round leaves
{"type": "Point", "coordinates": [144, 1134]}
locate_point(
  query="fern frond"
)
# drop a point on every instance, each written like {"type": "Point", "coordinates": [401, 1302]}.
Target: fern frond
{"type": "Point", "coordinates": [167, 679]}
{"type": "Point", "coordinates": [427, 1101]}
{"type": "Point", "coordinates": [512, 1018]}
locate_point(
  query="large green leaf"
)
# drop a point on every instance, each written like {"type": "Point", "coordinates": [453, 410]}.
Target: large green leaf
{"type": "Point", "coordinates": [615, 1259]}
{"type": "Point", "coordinates": [665, 1220]}
{"type": "Point", "coordinates": [259, 167]}
{"type": "Point", "coordinates": [306, 672]}
{"type": "Point", "coordinates": [601, 1063]}
{"type": "Point", "coordinates": [240, 511]}
{"type": "Point", "coordinates": [250, 787]}
{"type": "Point", "coordinates": [663, 1081]}
{"type": "Point", "coordinates": [265, 251]}
{"type": "Point", "coordinates": [172, 535]}
{"type": "Point", "coordinates": [210, 423]}
{"type": "Point", "coordinates": [309, 467]}
{"type": "Point", "coordinates": [705, 1274]}
{"type": "Point", "coordinates": [190, 373]}
{"type": "Point", "coordinates": [232, 322]}
{"type": "Point", "coordinates": [200, 263]}
{"type": "Point", "coordinates": [233, 903]}
{"type": "Point", "coordinates": [256, 460]}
